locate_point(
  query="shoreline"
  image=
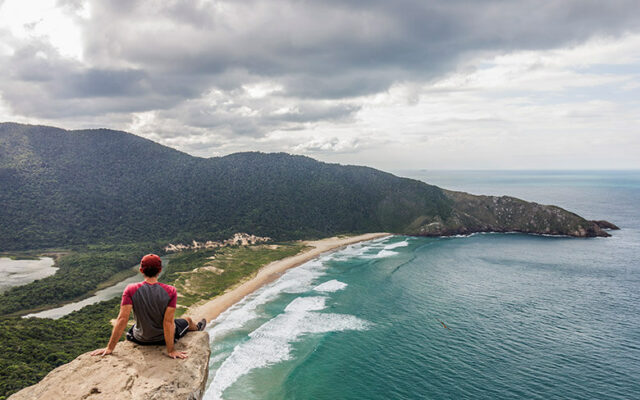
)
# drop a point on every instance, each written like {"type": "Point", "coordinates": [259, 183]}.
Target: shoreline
{"type": "Point", "coordinates": [272, 271]}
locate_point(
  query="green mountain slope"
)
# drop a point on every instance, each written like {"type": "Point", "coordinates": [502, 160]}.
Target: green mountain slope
{"type": "Point", "coordinates": [61, 187]}
{"type": "Point", "coordinates": [72, 187]}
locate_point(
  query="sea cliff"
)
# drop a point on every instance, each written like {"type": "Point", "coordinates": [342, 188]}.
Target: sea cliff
{"type": "Point", "coordinates": [474, 214]}
{"type": "Point", "coordinates": [131, 372]}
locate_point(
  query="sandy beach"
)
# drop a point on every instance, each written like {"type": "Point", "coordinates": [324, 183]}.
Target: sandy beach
{"type": "Point", "coordinates": [270, 272]}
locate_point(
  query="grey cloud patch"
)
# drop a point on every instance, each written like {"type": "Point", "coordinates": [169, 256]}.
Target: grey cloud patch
{"type": "Point", "coordinates": [363, 46]}
{"type": "Point", "coordinates": [170, 56]}
{"type": "Point", "coordinates": [313, 112]}
{"type": "Point", "coordinates": [337, 86]}
{"type": "Point", "coordinates": [236, 112]}
{"type": "Point", "coordinates": [106, 83]}
{"type": "Point", "coordinates": [38, 82]}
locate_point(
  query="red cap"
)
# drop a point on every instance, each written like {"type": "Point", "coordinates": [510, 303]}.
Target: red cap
{"type": "Point", "coordinates": [151, 261]}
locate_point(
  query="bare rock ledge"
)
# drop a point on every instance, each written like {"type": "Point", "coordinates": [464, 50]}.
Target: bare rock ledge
{"type": "Point", "coordinates": [132, 372]}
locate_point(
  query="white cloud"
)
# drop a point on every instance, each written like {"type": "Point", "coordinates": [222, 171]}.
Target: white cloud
{"type": "Point", "coordinates": [328, 144]}
{"type": "Point", "coordinates": [518, 110]}
{"type": "Point", "coordinates": [45, 19]}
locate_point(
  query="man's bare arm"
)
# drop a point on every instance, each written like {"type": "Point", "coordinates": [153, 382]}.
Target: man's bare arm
{"type": "Point", "coordinates": [116, 333]}
{"type": "Point", "coordinates": [169, 333]}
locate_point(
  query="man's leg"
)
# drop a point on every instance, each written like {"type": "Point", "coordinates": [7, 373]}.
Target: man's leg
{"type": "Point", "coordinates": [196, 327]}
{"type": "Point", "coordinates": [183, 325]}
{"type": "Point", "coordinates": [192, 325]}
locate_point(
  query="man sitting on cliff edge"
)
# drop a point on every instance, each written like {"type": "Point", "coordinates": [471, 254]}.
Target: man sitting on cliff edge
{"type": "Point", "coordinates": [154, 307]}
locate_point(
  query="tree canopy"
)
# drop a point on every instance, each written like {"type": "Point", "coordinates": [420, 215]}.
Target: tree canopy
{"type": "Point", "coordinates": [101, 186]}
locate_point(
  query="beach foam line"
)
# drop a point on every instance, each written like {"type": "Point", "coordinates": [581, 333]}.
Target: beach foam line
{"type": "Point", "coordinates": [392, 246]}
{"type": "Point", "coordinates": [352, 251]}
{"type": "Point", "coordinates": [272, 342]}
{"type": "Point", "coordinates": [296, 280]}
{"type": "Point", "coordinates": [364, 251]}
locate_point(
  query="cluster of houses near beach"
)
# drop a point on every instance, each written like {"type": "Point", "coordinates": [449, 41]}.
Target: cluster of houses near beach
{"type": "Point", "coordinates": [238, 239]}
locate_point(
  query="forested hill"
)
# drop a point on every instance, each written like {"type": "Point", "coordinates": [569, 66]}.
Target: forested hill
{"type": "Point", "coordinates": [59, 188]}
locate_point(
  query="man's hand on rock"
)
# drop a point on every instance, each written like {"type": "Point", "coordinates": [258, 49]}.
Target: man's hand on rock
{"type": "Point", "coordinates": [101, 352]}
{"type": "Point", "coordinates": [177, 354]}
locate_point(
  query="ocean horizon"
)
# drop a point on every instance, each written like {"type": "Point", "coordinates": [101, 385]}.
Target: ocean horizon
{"type": "Point", "coordinates": [485, 316]}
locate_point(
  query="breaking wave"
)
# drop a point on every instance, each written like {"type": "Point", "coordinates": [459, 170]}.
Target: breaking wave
{"type": "Point", "coordinates": [330, 286]}
{"type": "Point", "coordinates": [272, 342]}
{"type": "Point", "coordinates": [296, 280]}
{"type": "Point", "coordinates": [404, 243]}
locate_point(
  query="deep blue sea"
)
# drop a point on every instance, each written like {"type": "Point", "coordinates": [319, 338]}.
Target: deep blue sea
{"type": "Point", "coordinates": [528, 317]}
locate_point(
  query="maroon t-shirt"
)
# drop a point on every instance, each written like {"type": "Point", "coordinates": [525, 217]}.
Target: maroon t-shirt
{"type": "Point", "coordinates": [150, 301]}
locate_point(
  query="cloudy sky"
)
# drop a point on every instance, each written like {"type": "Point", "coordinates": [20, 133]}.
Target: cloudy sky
{"type": "Point", "coordinates": [400, 84]}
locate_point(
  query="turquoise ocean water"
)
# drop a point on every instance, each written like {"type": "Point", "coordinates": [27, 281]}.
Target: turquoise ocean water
{"type": "Point", "coordinates": [530, 317]}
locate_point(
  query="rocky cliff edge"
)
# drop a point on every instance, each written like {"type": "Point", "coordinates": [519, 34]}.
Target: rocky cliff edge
{"type": "Point", "coordinates": [131, 372]}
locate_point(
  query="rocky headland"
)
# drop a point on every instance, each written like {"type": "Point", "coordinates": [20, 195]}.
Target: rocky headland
{"type": "Point", "coordinates": [474, 214]}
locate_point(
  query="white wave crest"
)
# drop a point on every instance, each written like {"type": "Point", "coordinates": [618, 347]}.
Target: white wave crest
{"type": "Point", "coordinates": [330, 286]}
{"type": "Point", "coordinates": [368, 251]}
{"type": "Point", "coordinates": [404, 243]}
{"type": "Point", "coordinates": [385, 254]}
{"type": "Point", "coordinates": [296, 280]}
{"type": "Point", "coordinates": [302, 304]}
{"type": "Point", "coordinates": [380, 239]}
{"type": "Point", "coordinates": [272, 342]}
{"type": "Point", "coordinates": [351, 251]}
{"type": "Point", "coordinates": [371, 251]}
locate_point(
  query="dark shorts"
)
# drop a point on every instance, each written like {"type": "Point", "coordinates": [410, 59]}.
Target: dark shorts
{"type": "Point", "coordinates": [182, 327]}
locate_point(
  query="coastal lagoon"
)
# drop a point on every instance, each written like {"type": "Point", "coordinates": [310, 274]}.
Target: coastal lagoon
{"type": "Point", "coordinates": [486, 316]}
{"type": "Point", "coordinates": [105, 294]}
{"type": "Point", "coordinates": [21, 272]}
{"type": "Point", "coordinates": [100, 295]}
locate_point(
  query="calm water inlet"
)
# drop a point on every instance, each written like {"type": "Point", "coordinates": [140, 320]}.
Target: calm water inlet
{"type": "Point", "coordinates": [107, 293]}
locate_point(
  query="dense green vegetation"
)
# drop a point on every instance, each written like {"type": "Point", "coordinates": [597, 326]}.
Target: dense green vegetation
{"type": "Point", "coordinates": [23, 257]}
{"type": "Point", "coordinates": [99, 186]}
{"type": "Point", "coordinates": [229, 267]}
{"type": "Point", "coordinates": [30, 348]}
{"type": "Point", "coordinates": [80, 272]}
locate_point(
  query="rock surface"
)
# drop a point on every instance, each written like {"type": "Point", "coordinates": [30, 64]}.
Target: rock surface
{"type": "Point", "coordinates": [132, 372]}
{"type": "Point", "coordinates": [606, 225]}
{"type": "Point", "coordinates": [472, 214]}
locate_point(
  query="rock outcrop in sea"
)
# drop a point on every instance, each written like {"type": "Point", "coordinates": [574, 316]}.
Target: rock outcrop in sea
{"type": "Point", "coordinates": [131, 372]}
{"type": "Point", "coordinates": [474, 214]}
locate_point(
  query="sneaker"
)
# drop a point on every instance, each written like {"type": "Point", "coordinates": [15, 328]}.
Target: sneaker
{"type": "Point", "coordinates": [202, 324]}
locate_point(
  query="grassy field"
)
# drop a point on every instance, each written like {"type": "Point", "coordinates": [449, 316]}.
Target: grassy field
{"type": "Point", "coordinates": [21, 257]}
